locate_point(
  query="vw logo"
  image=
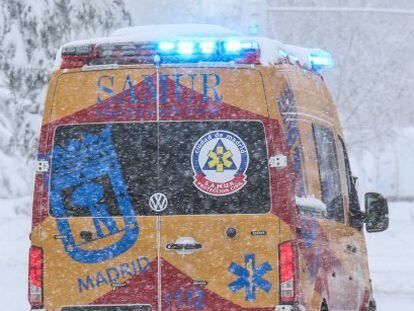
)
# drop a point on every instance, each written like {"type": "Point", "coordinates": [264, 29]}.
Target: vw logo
{"type": "Point", "coordinates": [158, 202]}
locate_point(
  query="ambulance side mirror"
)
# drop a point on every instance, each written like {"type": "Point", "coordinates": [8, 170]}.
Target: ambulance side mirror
{"type": "Point", "coordinates": [376, 212]}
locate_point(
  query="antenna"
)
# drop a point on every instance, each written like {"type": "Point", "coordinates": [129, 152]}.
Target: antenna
{"type": "Point", "coordinates": [157, 60]}
{"type": "Point", "coordinates": [254, 17]}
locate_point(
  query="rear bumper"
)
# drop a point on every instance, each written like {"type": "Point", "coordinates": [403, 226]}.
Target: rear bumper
{"type": "Point", "coordinates": [277, 308]}
{"type": "Point", "coordinates": [102, 308]}
{"type": "Point", "coordinates": [290, 308]}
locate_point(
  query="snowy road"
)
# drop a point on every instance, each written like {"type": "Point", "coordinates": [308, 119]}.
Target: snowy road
{"type": "Point", "coordinates": [14, 246]}
{"type": "Point", "coordinates": [391, 256]}
{"type": "Point", "coordinates": [391, 260]}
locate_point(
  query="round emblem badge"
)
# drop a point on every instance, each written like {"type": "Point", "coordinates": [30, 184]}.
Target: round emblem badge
{"type": "Point", "coordinates": [219, 160]}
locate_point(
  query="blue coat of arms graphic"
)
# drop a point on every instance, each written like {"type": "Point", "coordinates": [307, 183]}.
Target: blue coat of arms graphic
{"type": "Point", "coordinates": [84, 173]}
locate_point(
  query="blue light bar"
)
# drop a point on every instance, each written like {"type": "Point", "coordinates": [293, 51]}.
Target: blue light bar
{"type": "Point", "coordinates": [207, 47]}
{"type": "Point", "coordinates": [232, 46]}
{"type": "Point", "coordinates": [208, 50]}
{"type": "Point", "coordinates": [185, 47]}
{"type": "Point", "coordinates": [249, 45]}
{"type": "Point", "coordinates": [166, 46]}
{"type": "Point", "coordinates": [320, 60]}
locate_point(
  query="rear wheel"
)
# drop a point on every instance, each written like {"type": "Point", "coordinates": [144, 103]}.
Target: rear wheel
{"type": "Point", "coordinates": [372, 306]}
{"type": "Point", "coordinates": [324, 306]}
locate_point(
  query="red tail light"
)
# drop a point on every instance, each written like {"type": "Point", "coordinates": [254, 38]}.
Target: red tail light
{"type": "Point", "coordinates": [36, 277]}
{"type": "Point", "coordinates": [287, 265]}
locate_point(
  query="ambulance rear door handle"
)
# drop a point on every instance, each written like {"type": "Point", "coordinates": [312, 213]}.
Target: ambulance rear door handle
{"type": "Point", "coordinates": [184, 245]}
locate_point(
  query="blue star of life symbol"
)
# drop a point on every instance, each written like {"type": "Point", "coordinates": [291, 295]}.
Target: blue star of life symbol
{"type": "Point", "coordinates": [250, 277]}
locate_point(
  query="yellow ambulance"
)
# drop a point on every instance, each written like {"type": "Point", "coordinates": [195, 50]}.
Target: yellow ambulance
{"type": "Point", "coordinates": [193, 168]}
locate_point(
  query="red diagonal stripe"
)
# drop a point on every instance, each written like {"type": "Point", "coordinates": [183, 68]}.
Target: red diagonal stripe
{"type": "Point", "coordinates": [141, 289]}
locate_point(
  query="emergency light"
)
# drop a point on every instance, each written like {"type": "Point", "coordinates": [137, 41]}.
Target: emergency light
{"type": "Point", "coordinates": [232, 46]}
{"type": "Point", "coordinates": [196, 49]}
{"type": "Point", "coordinates": [186, 48]}
{"type": "Point", "coordinates": [208, 47]}
{"type": "Point", "coordinates": [239, 51]}
{"type": "Point", "coordinates": [178, 51]}
{"type": "Point", "coordinates": [320, 60]}
{"type": "Point", "coordinates": [166, 46]}
{"type": "Point", "coordinates": [316, 60]}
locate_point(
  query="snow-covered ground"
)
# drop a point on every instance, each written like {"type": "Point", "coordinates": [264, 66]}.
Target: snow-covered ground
{"type": "Point", "coordinates": [14, 248]}
{"type": "Point", "coordinates": [391, 261]}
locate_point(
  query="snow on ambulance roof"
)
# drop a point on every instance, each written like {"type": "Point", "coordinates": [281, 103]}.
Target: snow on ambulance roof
{"type": "Point", "coordinates": [189, 43]}
{"type": "Point", "coordinates": [156, 32]}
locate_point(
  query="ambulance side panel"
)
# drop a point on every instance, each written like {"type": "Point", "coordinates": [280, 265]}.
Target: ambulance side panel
{"type": "Point", "coordinates": [333, 262]}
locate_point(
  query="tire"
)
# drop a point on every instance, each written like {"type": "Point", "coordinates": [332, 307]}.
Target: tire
{"type": "Point", "coordinates": [324, 306]}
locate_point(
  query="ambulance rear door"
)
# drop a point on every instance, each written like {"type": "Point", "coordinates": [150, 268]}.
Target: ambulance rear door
{"type": "Point", "coordinates": [99, 240]}
{"type": "Point", "coordinates": [218, 235]}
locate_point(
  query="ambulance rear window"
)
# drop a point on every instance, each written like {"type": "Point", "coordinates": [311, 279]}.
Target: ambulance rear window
{"type": "Point", "coordinates": [166, 168]}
